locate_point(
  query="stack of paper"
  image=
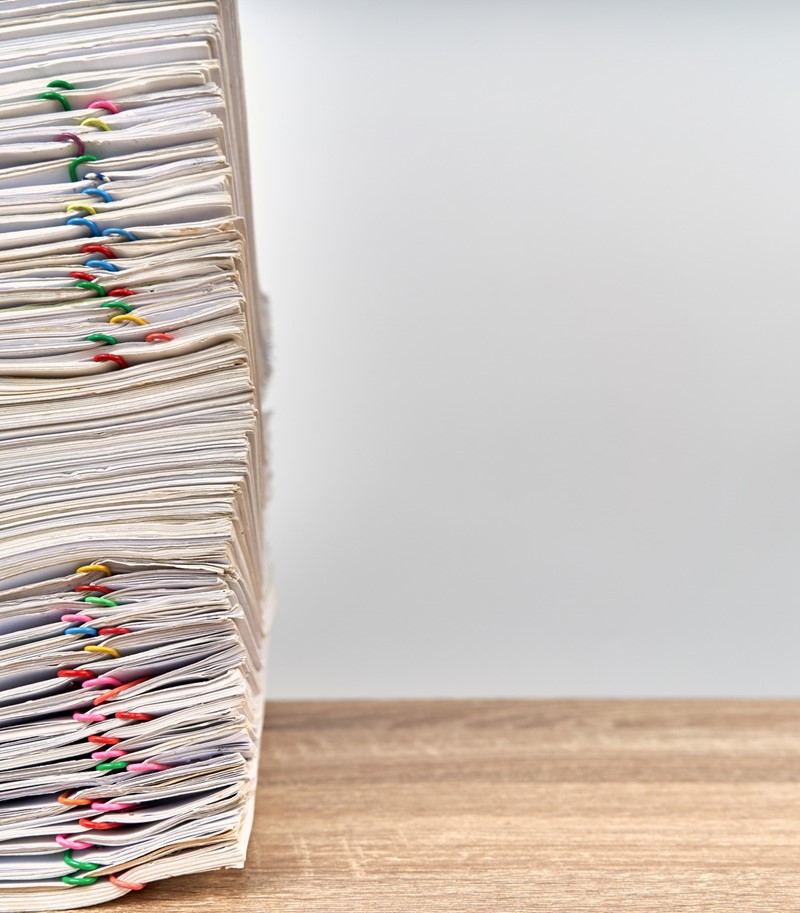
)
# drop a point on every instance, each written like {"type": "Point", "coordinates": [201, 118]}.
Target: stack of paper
{"type": "Point", "coordinates": [134, 601]}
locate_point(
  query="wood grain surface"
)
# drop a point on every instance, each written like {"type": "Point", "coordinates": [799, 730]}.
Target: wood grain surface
{"type": "Point", "coordinates": [500, 806]}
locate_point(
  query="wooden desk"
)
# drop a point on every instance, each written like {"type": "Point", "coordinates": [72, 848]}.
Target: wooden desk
{"type": "Point", "coordinates": [510, 806]}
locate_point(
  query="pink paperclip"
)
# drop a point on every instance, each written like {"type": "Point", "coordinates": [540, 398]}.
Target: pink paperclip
{"type": "Point", "coordinates": [113, 806]}
{"type": "Point", "coordinates": [108, 753]}
{"type": "Point", "coordinates": [102, 680]}
{"type": "Point", "coordinates": [102, 103]}
{"type": "Point", "coordinates": [81, 616]}
{"type": "Point", "coordinates": [89, 717]}
{"type": "Point", "coordinates": [147, 765]}
{"type": "Point", "coordinates": [61, 840]}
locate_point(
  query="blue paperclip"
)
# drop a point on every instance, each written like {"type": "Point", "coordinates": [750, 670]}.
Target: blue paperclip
{"type": "Point", "coordinates": [99, 192]}
{"type": "Point", "coordinates": [87, 222]}
{"type": "Point", "coordinates": [120, 231]}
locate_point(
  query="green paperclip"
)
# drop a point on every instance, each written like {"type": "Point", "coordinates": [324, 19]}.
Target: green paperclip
{"type": "Point", "coordinates": [112, 765]}
{"type": "Point", "coordinates": [92, 286]}
{"type": "Point", "coordinates": [116, 303]}
{"type": "Point", "coordinates": [57, 96]}
{"type": "Point", "coordinates": [73, 165]}
{"type": "Point", "coordinates": [77, 864]}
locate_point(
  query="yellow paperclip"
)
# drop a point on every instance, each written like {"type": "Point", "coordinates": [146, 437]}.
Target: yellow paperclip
{"type": "Point", "coordinates": [90, 209]}
{"type": "Point", "coordinates": [110, 650]}
{"type": "Point", "coordinates": [119, 318]}
{"type": "Point", "coordinates": [95, 122]}
{"type": "Point", "coordinates": [93, 567]}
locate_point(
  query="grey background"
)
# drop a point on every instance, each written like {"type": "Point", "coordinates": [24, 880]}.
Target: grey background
{"type": "Point", "coordinates": [536, 300]}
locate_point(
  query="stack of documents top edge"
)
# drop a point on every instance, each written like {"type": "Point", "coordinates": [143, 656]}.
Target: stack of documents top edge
{"type": "Point", "coordinates": [134, 594]}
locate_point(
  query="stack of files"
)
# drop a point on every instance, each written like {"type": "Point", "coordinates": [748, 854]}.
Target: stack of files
{"type": "Point", "coordinates": [135, 600]}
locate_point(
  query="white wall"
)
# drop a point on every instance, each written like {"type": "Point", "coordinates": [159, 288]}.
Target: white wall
{"type": "Point", "coordinates": [536, 301]}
